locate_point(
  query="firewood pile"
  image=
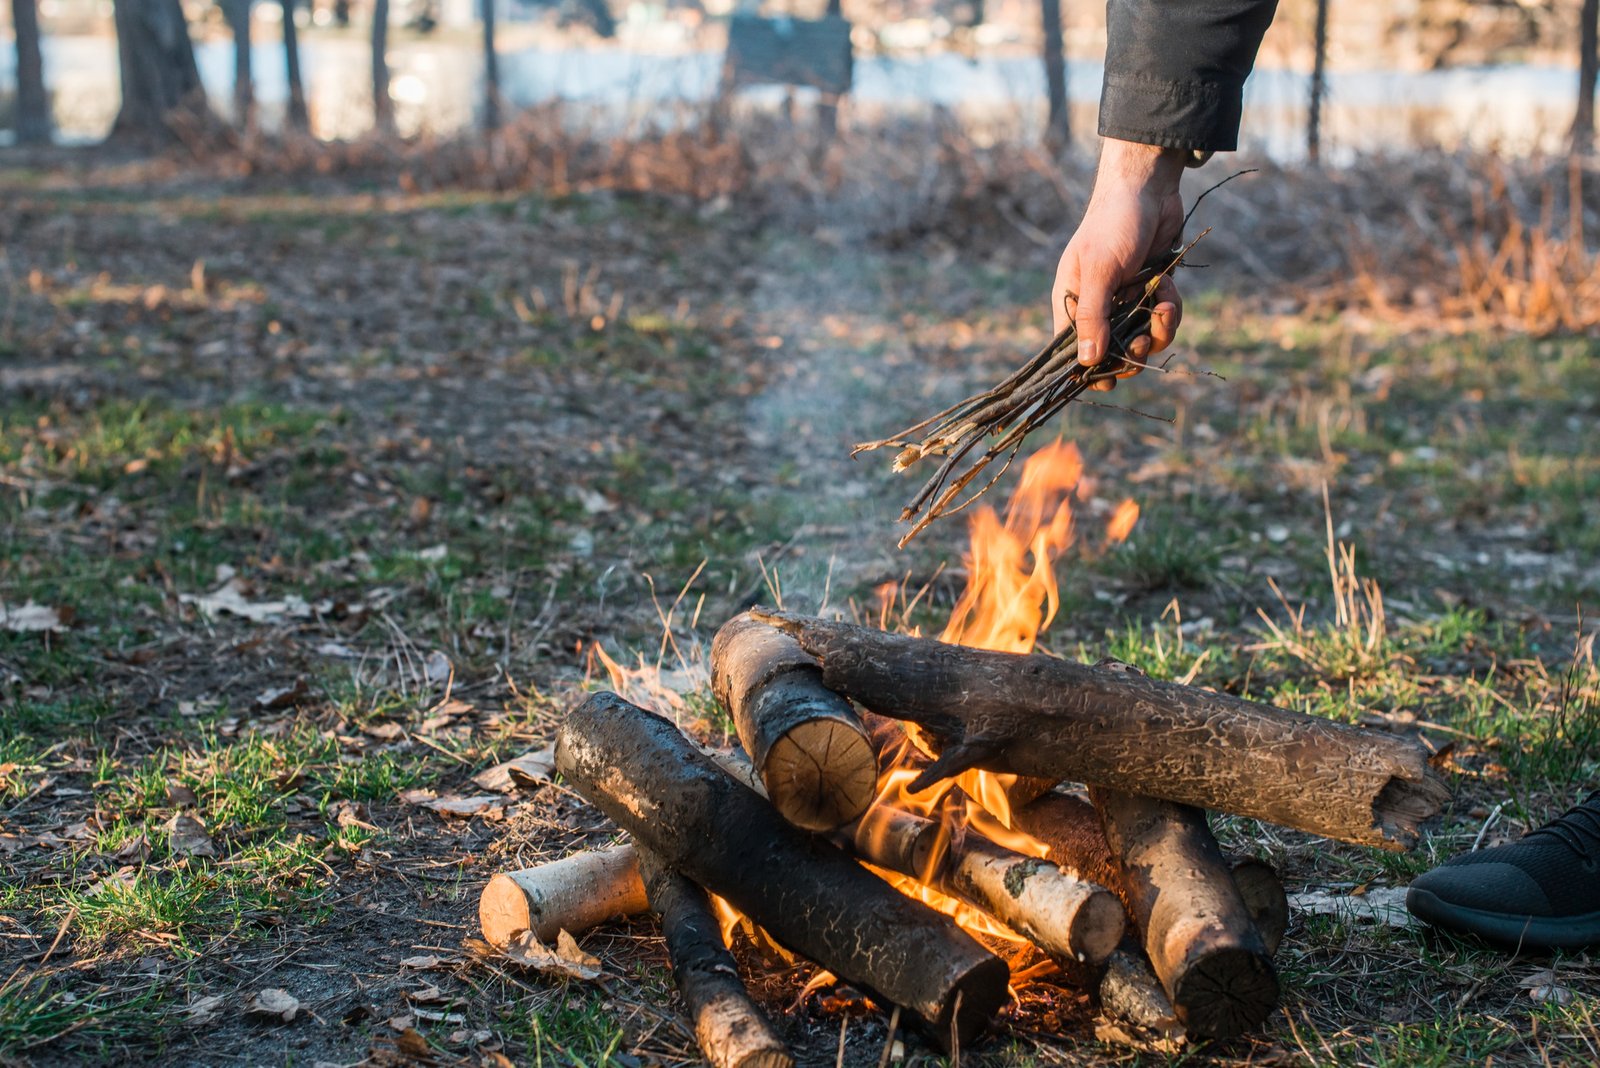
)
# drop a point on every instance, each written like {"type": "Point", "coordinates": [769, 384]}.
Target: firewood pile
{"type": "Point", "coordinates": [808, 835]}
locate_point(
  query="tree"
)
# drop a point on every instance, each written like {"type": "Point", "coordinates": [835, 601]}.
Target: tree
{"type": "Point", "coordinates": [297, 118]}
{"type": "Point", "coordinates": [1319, 84]}
{"type": "Point", "coordinates": [159, 75]}
{"type": "Point", "coordinates": [382, 106]}
{"type": "Point", "coordinates": [33, 107]}
{"type": "Point", "coordinates": [237, 13]}
{"type": "Point", "coordinates": [1058, 129]}
{"type": "Point", "coordinates": [1588, 66]}
{"type": "Point", "coordinates": [491, 71]}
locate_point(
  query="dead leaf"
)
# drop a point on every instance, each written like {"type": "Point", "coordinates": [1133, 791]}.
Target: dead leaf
{"type": "Point", "coordinates": [229, 599]}
{"type": "Point", "coordinates": [384, 732]}
{"type": "Point", "coordinates": [274, 1001]}
{"type": "Point", "coordinates": [135, 850]}
{"type": "Point", "coordinates": [187, 837]}
{"type": "Point", "coordinates": [487, 805]}
{"type": "Point", "coordinates": [435, 1016]}
{"type": "Point", "coordinates": [403, 1022]}
{"type": "Point", "coordinates": [203, 1010]}
{"type": "Point", "coordinates": [436, 668]}
{"type": "Point", "coordinates": [565, 959]}
{"type": "Point", "coordinates": [32, 618]}
{"type": "Point", "coordinates": [282, 696]}
{"type": "Point", "coordinates": [425, 994]}
{"type": "Point", "coordinates": [181, 796]}
{"type": "Point", "coordinates": [422, 963]}
{"type": "Point", "coordinates": [527, 771]}
{"type": "Point", "coordinates": [417, 796]}
{"type": "Point", "coordinates": [351, 814]}
{"type": "Point", "coordinates": [121, 878]}
{"type": "Point", "coordinates": [1545, 985]}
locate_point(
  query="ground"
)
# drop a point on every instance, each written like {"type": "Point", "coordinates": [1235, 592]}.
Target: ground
{"type": "Point", "coordinates": [318, 499]}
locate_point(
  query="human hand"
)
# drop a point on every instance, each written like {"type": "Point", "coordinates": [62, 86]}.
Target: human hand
{"type": "Point", "coordinates": [1134, 213]}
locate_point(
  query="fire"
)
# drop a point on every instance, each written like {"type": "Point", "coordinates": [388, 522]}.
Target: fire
{"type": "Point", "coordinates": [1011, 596]}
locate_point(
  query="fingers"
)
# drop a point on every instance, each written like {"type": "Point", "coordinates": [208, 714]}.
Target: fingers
{"type": "Point", "coordinates": [1092, 316]}
{"type": "Point", "coordinates": [1166, 315]}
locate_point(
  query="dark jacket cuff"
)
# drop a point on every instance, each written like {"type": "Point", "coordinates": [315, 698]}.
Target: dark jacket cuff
{"type": "Point", "coordinates": [1188, 115]}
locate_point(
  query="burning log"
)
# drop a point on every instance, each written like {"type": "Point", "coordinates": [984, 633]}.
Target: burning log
{"type": "Point", "coordinates": [1071, 828]}
{"type": "Point", "coordinates": [806, 742]}
{"type": "Point", "coordinates": [807, 893]}
{"type": "Point", "coordinates": [731, 1029]}
{"type": "Point", "coordinates": [574, 894]}
{"type": "Point", "coordinates": [1062, 915]}
{"type": "Point", "coordinates": [1198, 933]}
{"type": "Point", "coordinates": [1036, 715]}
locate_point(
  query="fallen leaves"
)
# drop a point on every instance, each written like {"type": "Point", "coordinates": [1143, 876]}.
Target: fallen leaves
{"type": "Point", "coordinates": [564, 959]}
{"type": "Point", "coordinates": [274, 1001]}
{"type": "Point", "coordinates": [1545, 985]}
{"type": "Point", "coordinates": [1380, 904]}
{"type": "Point", "coordinates": [527, 772]}
{"type": "Point", "coordinates": [488, 806]}
{"type": "Point", "coordinates": [233, 598]}
{"type": "Point", "coordinates": [186, 836]}
{"type": "Point", "coordinates": [203, 1010]}
{"type": "Point", "coordinates": [32, 618]}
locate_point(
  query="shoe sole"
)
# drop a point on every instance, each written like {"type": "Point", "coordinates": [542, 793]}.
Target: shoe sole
{"type": "Point", "coordinates": [1504, 929]}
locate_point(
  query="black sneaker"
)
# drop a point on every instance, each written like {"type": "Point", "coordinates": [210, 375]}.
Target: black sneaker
{"type": "Point", "coordinates": [1541, 892]}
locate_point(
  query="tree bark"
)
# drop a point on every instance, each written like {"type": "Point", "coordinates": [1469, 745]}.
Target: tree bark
{"type": "Point", "coordinates": [1319, 84]}
{"type": "Point", "coordinates": [731, 1029]}
{"type": "Point", "coordinates": [574, 894]}
{"type": "Point", "coordinates": [807, 743]}
{"type": "Point", "coordinates": [244, 91]}
{"type": "Point", "coordinates": [1035, 715]}
{"type": "Point", "coordinates": [491, 71]}
{"type": "Point", "coordinates": [382, 105]}
{"type": "Point", "coordinates": [1588, 67]}
{"type": "Point", "coordinates": [1058, 129]}
{"type": "Point", "coordinates": [807, 893]}
{"type": "Point", "coordinates": [296, 117]}
{"type": "Point", "coordinates": [33, 105]}
{"type": "Point", "coordinates": [159, 75]}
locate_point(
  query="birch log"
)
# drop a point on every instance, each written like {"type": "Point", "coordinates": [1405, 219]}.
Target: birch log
{"type": "Point", "coordinates": [574, 894]}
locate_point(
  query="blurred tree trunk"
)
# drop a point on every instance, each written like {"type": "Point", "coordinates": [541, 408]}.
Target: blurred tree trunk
{"type": "Point", "coordinates": [244, 82]}
{"type": "Point", "coordinates": [491, 71]}
{"type": "Point", "coordinates": [382, 106]}
{"type": "Point", "coordinates": [1588, 66]}
{"type": "Point", "coordinates": [33, 107]}
{"type": "Point", "coordinates": [1319, 84]}
{"type": "Point", "coordinates": [1058, 130]}
{"type": "Point", "coordinates": [296, 118]}
{"type": "Point", "coordinates": [159, 76]}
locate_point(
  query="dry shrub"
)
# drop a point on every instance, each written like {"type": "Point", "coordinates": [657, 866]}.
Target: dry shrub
{"type": "Point", "coordinates": [1430, 239]}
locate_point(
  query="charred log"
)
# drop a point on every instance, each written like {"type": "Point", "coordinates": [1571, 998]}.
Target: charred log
{"type": "Point", "coordinates": [731, 1029]}
{"type": "Point", "coordinates": [807, 893]}
{"type": "Point", "coordinates": [806, 742]}
{"type": "Point", "coordinates": [1055, 719]}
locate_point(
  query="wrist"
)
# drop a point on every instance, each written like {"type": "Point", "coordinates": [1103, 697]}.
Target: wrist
{"type": "Point", "coordinates": [1149, 166]}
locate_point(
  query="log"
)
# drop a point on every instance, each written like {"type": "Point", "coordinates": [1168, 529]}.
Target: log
{"type": "Point", "coordinates": [574, 894]}
{"type": "Point", "coordinates": [1070, 827]}
{"type": "Point", "coordinates": [806, 742]}
{"type": "Point", "coordinates": [804, 891]}
{"type": "Point", "coordinates": [1197, 931]}
{"type": "Point", "coordinates": [1066, 917]}
{"type": "Point", "coordinates": [1035, 715]}
{"type": "Point", "coordinates": [731, 1029]}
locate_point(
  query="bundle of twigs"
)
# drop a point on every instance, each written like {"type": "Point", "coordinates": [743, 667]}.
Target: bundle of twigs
{"type": "Point", "coordinates": [1005, 415]}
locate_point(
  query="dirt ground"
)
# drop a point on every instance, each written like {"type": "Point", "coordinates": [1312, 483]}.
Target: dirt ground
{"type": "Point", "coordinates": [317, 499]}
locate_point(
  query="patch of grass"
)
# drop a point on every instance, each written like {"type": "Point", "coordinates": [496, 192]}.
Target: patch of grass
{"type": "Point", "coordinates": [579, 1032]}
{"type": "Point", "coordinates": [36, 1012]}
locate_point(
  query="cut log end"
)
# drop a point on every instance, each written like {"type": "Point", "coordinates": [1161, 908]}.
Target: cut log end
{"type": "Point", "coordinates": [980, 994]}
{"type": "Point", "coordinates": [821, 775]}
{"type": "Point", "coordinates": [1099, 926]}
{"type": "Point", "coordinates": [1226, 992]}
{"type": "Point", "coordinates": [503, 910]}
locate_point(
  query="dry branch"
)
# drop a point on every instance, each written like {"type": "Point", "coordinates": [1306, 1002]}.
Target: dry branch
{"type": "Point", "coordinates": [1036, 715]}
{"type": "Point", "coordinates": [573, 894]}
{"type": "Point", "coordinates": [731, 1029]}
{"type": "Point", "coordinates": [807, 893]}
{"type": "Point", "coordinates": [806, 741]}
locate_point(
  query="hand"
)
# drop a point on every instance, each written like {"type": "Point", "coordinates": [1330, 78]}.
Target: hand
{"type": "Point", "coordinates": [1134, 213]}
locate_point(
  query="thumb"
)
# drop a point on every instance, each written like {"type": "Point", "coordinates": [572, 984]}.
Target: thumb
{"type": "Point", "coordinates": [1093, 317]}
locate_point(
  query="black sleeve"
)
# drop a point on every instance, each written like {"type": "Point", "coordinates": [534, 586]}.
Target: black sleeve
{"type": "Point", "coordinates": [1175, 70]}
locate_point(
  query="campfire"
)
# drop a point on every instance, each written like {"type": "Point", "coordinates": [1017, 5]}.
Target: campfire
{"type": "Point", "coordinates": [901, 812]}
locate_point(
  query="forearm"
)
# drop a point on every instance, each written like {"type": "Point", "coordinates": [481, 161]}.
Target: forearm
{"type": "Point", "coordinates": [1175, 70]}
